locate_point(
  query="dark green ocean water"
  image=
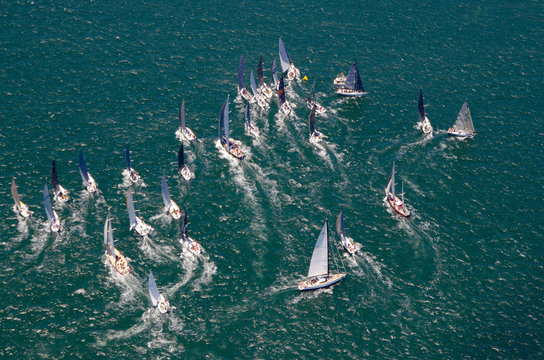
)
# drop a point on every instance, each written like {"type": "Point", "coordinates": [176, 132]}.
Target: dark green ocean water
{"type": "Point", "coordinates": [462, 278]}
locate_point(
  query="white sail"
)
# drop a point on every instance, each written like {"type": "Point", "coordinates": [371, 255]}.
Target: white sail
{"type": "Point", "coordinates": [340, 223]}
{"type": "Point", "coordinates": [253, 84]}
{"type": "Point", "coordinates": [108, 237]}
{"type": "Point", "coordinates": [83, 169]}
{"type": "Point", "coordinates": [284, 57]}
{"type": "Point", "coordinates": [15, 194]}
{"type": "Point", "coordinates": [47, 204]}
{"type": "Point", "coordinates": [464, 119]}
{"type": "Point", "coordinates": [130, 207]}
{"type": "Point", "coordinates": [320, 257]}
{"type": "Point", "coordinates": [165, 194]}
{"type": "Point", "coordinates": [153, 291]}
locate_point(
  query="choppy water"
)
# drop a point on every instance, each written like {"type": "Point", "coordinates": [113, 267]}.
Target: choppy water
{"type": "Point", "coordinates": [462, 278]}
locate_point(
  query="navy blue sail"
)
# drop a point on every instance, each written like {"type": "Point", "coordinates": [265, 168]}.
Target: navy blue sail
{"type": "Point", "coordinates": [281, 91]}
{"type": "Point", "coordinates": [420, 108]}
{"type": "Point", "coordinates": [181, 157]}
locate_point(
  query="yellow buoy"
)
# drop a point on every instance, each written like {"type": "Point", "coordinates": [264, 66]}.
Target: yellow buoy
{"type": "Point", "coordinates": [305, 78]}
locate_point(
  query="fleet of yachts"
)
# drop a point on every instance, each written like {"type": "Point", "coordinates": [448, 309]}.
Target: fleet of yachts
{"type": "Point", "coordinates": [319, 274]}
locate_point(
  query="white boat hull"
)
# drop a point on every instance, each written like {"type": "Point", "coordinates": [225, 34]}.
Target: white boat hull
{"type": "Point", "coordinates": [426, 126]}
{"type": "Point", "coordinates": [320, 282]}
{"type": "Point", "coordinates": [396, 204]}
{"type": "Point", "coordinates": [186, 173]}
{"type": "Point", "coordinates": [286, 108]}
{"type": "Point", "coordinates": [292, 72]}
{"type": "Point", "coordinates": [54, 226]}
{"type": "Point", "coordinates": [318, 108]}
{"type": "Point", "coordinates": [188, 134]}
{"type": "Point", "coordinates": [339, 80]}
{"type": "Point", "coordinates": [253, 130]}
{"type": "Point", "coordinates": [91, 186]}
{"type": "Point", "coordinates": [174, 210]}
{"type": "Point", "coordinates": [461, 133]}
{"type": "Point", "coordinates": [142, 228]}
{"type": "Point", "coordinates": [266, 91]}
{"type": "Point", "coordinates": [350, 93]}
{"type": "Point", "coordinates": [163, 305]}
{"type": "Point", "coordinates": [119, 263]}
{"type": "Point", "coordinates": [23, 210]}
{"type": "Point", "coordinates": [132, 175]}
{"type": "Point", "coordinates": [316, 137]}
{"type": "Point", "coordinates": [191, 245]}
{"type": "Point", "coordinates": [244, 93]}
{"type": "Point", "coordinates": [233, 149]}
{"type": "Point", "coordinates": [348, 244]}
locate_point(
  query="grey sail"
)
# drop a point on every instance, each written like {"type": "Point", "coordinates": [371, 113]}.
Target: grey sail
{"type": "Point", "coordinates": [260, 73]}
{"type": "Point", "coordinates": [83, 169]}
{"type": "Point", "coordinates": [130, 207]}
{"type": "Point", "coordinates": [54, 177]}
{"type": "Point", "coordinates": [320, 257]}
{"type": "Point", "coordinates": [464, 119]}
{"type": "Point", "coordinates": [420, 108]}
{"type": "Point", "coordinates": [153, 291]}
{"type": "Point", "coordinates": [274, 73]}
{"type": "Point", "coordinates": [284, 57]}
{"type": "Point", "coordinates": [165, 194]}
{"type": "Point", "coordinates": [15, 194]}
{"type": "Point", "coordinates": [108, 237]}
{"type": "Point", "coordinates": [127, 157]}
{"type": "Point", "coordinates": [340, 223]}
{"type": "Point", "coordinates": [253, 84]}
{"type": "Point", "coordinates": [182, 115]}
{"type": "Point", "coordinates": [47, 204]}
{"type": "Point", "coordinates": [225, 113]}
{"type": "Point", "coordinates": [393, 180]}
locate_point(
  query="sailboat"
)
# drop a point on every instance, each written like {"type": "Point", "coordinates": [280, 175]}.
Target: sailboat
{"type": "Point", "coordinates": [397, 204]}
{"type": "Point", "coordinates": [319, 275]}
{"type": "Point", "coordinates": [286, 63]}
{"type": "Point", "coordinates": [193, 246]}
{"type": "Point", "coordinates": [115, 257]}
{"type": "Point", "coordinates": [135, 222]}
{"type": "Point", "coordinates": [256, 95]}
{"type": "Point", "coordinates": [339, 80]}
{"type": "Point", "coordinates": [22, 208]}
{"type": "Point", "coordinates": [132, 174]}
{"type": "Point", "coordinates": [310, 101]}
{"type": "Point", "coordinates": [263, 87]}
{"type": "Point", "coordinates": [158, 301]}
{"type": "Point", "coordinates": [285, 106]}
{"type": "Point", "coordinates": [424, 122]}
{"type": "Point", "coordinates": [229, 145]}
{"type": "Point", "coordinates": [274, 72]}
{"type": "Point", "coordinates": [169, 205]}
{"type": "Point", "coordinates": [88, 180]}
{"type": "Point", "coordinates": [182, 167]}
{"type": "Point", "coordinates": [463, 127]}
{"type": "Point", "coordinates": [60, 193]}
{"type": "Point", "coordinates": [346, 241]}
{"type": "Point", "coordinates": [353, 86]}
{"type": "Point", "coordinates": [315, 136]}
{"type": "Point", "coordinates": [244, 92]}
{"type": "Point", "coordinates": [184, 131]}
{"type": "Point", "coordinates": [252, 128]}
{"type": "Point", "coordinates": [52, 217]}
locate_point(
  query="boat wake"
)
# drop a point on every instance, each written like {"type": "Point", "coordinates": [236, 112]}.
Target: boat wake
{"type": "Point", "coordinates": [159, 253]}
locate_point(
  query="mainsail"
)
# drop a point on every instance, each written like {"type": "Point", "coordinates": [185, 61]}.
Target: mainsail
{"type": "Point", "coordinates": [225, 119]}
{"type": "Point", "coordinates": [253, 85]}
{"type": "Point", "coordinates": [260, 73]}
{"type": "Point", "coordinates": [274, 73]}
{"type": "Point", "coordinates": [130, 206]}
{"type": "Point", "coordinates": [15, 194]}
{"type": "Point", "coordinates": [281, 91]}
{"type": "Point", "coordinates": [83, 169]}
{"type": "Point", "coordinates": [248, 119]}
{"type": "Point", "coordinates": [108, 237]}
{"type": "Point", "coordinates": [353, 80]}
{"type": "Point", "coordinates": [340, 223]}
{"type": "Point", "coordinates": [47, 204]}
{"type": "Point", "coordinates": [182, 115]}
{"type": "Point", "coordinates": [320, 257]}
{"type": "Point", "coordinates": [464, 119]}
{"type": "Point", "coordinates": [153, 291]}
{"type": "Point", "coordinates": [420, 108]}
{"type": "Point", "coordinates": [241, 73]}
{"type": "Point", "coordinates": [185, 226]}
{"type": "Point", "coordinates": [312, 120]}
{"type": "Point", "coordinates": [164, 189]}
{"type": "Point", "coordinates": [284, 57]}
{"type": "Point", "coordinates": [54, 177]}
{"type": "Point", "coordinates": [181, 157]}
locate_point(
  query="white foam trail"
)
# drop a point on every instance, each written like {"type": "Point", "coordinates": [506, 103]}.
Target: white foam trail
{"type": "Point", "coordinates": [158, 253]}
